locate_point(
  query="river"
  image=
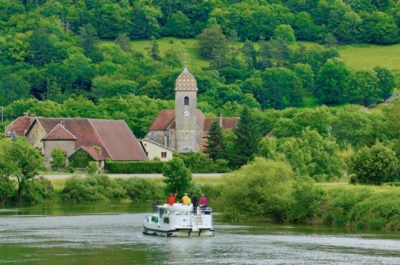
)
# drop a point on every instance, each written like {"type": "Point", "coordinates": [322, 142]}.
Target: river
{"type": "Point", "coordinates": [112, 234]}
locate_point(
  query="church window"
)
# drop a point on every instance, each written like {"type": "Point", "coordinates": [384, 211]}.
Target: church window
{"type": "Point", "coordinates": [163, 154]}
{"type": "Point", "coordinates": [186, 101]}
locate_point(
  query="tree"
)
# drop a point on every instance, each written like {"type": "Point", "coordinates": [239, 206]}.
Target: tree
{"type": "Point", "coordinates": [332, 81]}
{"type": "Point", "coordinates": [21, 160]}
{"type": "Point", "coordinates": [250, 54]}
{"type": "Point", "coordinates": [309, 155]}
{"type": "Point", "coordinates": [58, 159]}
{"type": "Point", "coordinates": [215, 142]}
{"type": "Point", "coordinates": [246, 139]}
{"type": "Point", "coordinates": [212, 42]}
{"type": "Point", "coordinates": [179, 26]}
{"type": "Point", "coordinates": [123, 42]}
{"type": "Point", "coordinates": [374, 165]}
{"type": "Point", "coordinates": [284, 34]}
{"type": "Point", "coordinates": [363, 87]}
{"type": "Point", "coordinates": [41, 49]}
{"type": "Point", "coordinates": [379, 28]}
{"type": "Point", "coordinates": [154, 50]}
{"type": "Point", "coordinates": [306, 74]}
{"type": "Point", "coordinates": [88, 41]}
{"type": "Point", "coordinates": [386, 82]}
{"type": "Point", "coordinates": [263, 187]}
{"type": "Point", "coordinates": [177, 176]}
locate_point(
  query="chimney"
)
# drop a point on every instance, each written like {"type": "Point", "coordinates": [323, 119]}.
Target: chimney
{"type": "Point", "coordinates": [26, 114]}
{"type": "Point", "coordinates": [33, 115]}
{"type": "Point", "coordinates": [220, 120]}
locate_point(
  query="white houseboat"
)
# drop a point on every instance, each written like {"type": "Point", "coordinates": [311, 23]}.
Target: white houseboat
{"type": "Point", "coordinates": [179, 220]}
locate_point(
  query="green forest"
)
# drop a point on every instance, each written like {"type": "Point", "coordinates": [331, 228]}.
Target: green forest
{"type": "Point", "coordinates": [275, 64]}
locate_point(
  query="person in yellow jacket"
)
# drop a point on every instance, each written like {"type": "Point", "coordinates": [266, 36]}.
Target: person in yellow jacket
{"type": "Point", "coordinates": [186, 200]}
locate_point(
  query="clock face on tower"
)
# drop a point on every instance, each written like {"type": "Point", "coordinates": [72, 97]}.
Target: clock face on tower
{"type": "Point", "coordinates": [186, 113]}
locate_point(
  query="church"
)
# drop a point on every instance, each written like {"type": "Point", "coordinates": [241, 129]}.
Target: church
{"type": "Point", "coordinates": [185, 128]}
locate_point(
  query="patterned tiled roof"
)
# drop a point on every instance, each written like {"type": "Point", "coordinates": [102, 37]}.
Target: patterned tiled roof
{"type": "Point", "coordinates": [186, 81]}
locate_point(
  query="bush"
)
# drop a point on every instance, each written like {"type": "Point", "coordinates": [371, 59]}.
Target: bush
{"type": "Point", "coordinates": [136, 167]}
{"type": "Point", "coordinates": [260, 189]}
{"type": "Point", "coordinates": [92, 188]}
{"type": "Point", "coordinates": [375, 165]}
{"type": "Point", "coordinates": [139, 189]}
{"type": "Point", "coordinates": [200, 163]}
{"type": "Point", "coordinates": [8, 190]}
{"type": "Point", "coordinates": [58, 159]}
{"type": "Point", "coordinates": [92, 168]}
{"type": "Point", "coordinates": [37, 190]}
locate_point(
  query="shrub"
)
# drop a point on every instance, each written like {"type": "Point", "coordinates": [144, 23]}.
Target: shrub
{"type": "Point", "coordinates": [37, 190]}
{"type": "Point", "coordinates": [8, 190]}
{"type": "Point", "coordinates": [139, 189]}
{"type": "Point", "coordinates": [200, 163]}
{"type": "Point", "coordinates": [134, 167]}
{"type": "Point", "coordinates": [92, 188]}
{"type": "Point", "coordinates": [375, 165]}
{"type": "Point", "coordinates": [80, 159]}
{"type": "Point", "coordinates": [306, 198]}
{"type": "Point", "coordinates": [260, 189]}
{"type": "Point", "coordinates": [92, 168]}
{"type": "Point", "coordinates": [58, 159]}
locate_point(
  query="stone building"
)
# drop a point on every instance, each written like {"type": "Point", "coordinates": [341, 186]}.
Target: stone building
{"type": "Point", "coordinates": [185, 128]}
{"type": "Point", "coordinates": [101, 139]}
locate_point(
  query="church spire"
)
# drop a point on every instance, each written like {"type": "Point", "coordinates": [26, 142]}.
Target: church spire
{"type": "Point", "coordinates": [185, 69]}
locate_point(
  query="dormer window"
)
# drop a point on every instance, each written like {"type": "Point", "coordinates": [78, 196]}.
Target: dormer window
{"type": "Point", "coordinates": [186, 101]}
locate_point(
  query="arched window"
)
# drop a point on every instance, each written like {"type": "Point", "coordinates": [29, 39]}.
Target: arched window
{"type": "Point", "coordinates": [186, 101]}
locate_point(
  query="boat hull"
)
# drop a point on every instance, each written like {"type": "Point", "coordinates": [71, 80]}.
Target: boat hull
{"type": "Point", "coordinates": [179, 232]}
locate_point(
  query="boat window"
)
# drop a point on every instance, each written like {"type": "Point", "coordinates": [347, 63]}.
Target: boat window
{"type": "Point", "coordinates": [166, 220]}
{"type": "Point", "coordinates": [162, 211]}
{"type": "Point", "coordinates": [154, 219]}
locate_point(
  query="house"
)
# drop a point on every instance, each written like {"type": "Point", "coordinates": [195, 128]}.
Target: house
{"type": "Point", "coordinates": [185, 129]}
{"type": "Point", "coordinates": [100, 140]}
{"type": "Point", "coordinates": [155, 150]}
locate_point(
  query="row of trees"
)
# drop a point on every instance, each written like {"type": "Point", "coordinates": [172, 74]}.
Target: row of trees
{"type": "Point", "coordinates": [346, 21]}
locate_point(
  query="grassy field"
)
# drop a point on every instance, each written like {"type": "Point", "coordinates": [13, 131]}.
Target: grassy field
{"type": "Point", "coordinates": [369, 56]}
{"type": "Point", "coordinates": [178, 45]}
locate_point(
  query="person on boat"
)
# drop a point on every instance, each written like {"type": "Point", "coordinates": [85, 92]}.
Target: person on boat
{"type": "Point", "coordinates": [186, 200]}
{"type": "Point", "coordinates": [195, 202]}
{"type": "Point", "coordinates": [203, 201]}
{"type": "Point", "coordinates": [171, 199]}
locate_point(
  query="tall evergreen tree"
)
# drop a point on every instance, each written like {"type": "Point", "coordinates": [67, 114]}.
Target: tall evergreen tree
{"type": "Point", "coordinates": [246, 139]}
{"type": "Point", "coordinates": [155, 51]}
{"type": "Point", "coordinates": [215, 144]}
{"type": "Point", "coordinates": [250, 53]}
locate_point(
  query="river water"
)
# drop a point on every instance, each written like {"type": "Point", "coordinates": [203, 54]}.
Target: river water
{"type": "Point", "coordinates": [113, 235]}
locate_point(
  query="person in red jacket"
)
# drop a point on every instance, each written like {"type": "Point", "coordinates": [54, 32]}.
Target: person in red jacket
{"type": "Point", "coordinates": [171, 199]}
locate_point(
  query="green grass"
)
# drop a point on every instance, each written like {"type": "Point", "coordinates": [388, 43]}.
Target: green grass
{"type": "Point", "coordinates": [191, 45]}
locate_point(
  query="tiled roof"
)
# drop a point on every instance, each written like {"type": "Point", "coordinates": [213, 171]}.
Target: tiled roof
{"type": "Point", "coordinates": [20, 125]}
{"type": "Point", "coordinates": [59, 133]}
{"type": "Point", "coordinates": [164, 118]}
{"type": "Point", "coordinates": [93, 151]}
{"type": "Point", "coordinates": [227, 122]}
{"type": "Point", "coordinates": [118, 140]}
{"type": "Point", "coordinates": [186, 81]}
{"type": "Point", "coordinates": [167, 117]}
{"type": "Point", "coordinates": [113, 137]}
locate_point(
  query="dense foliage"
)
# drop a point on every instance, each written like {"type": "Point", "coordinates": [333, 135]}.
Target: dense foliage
{"type": "Point", "coordinates": [134, 167]}
{"type": "Point", "coordinates": [270, 190]}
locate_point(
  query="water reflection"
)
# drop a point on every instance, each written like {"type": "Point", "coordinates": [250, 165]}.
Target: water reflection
{"type": "Point", "coordinates": [30, 237]}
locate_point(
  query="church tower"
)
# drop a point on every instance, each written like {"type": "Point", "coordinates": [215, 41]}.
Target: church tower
{"type": "Point", "coordinates": [185, 113]}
